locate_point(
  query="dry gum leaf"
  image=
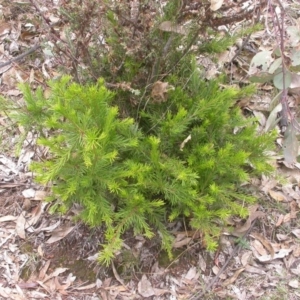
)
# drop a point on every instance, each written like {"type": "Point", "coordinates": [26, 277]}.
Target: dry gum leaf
{"type": "Point", "coordinates": [264, 241]}
{"type": "Point", "coordinates": [159, 91]}
{"type": "Point", "coordinates": [233, 278]}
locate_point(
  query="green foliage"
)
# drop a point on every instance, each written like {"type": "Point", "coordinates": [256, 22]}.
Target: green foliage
{"type": "Point", "coordinates": [130, 176]}
{"type": "Point", "coordinates": [133, 163]}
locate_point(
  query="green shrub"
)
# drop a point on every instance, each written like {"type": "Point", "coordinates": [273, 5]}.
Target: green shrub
{"type": "Point", "coordinates": [129, 175]}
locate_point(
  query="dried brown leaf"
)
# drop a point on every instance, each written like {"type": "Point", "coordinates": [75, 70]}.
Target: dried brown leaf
{"type": "Point", "coordinates": [267, 258]}
{"type": "Point", "coordinates": [267, 184]}
{"type": "Point", "coordinates": [8, 218]}
{"type": "Point", "coordinates": [295, 267]}
{"type": "Point", "coordinates": [253, 214]}
{"type": "Point", "coordinates": [296, 250]}
{"type": "Point", "coordinates": [40, 251]}
{"type": "Point", "coordinates": [278, 196]}
{"type": "Point", "coordinates": [4, 28]}
{"type": "Point", "coordinates": [254, 270]}
{"type": "Point", "coordinates": [159, 292]}
{"type": "Point", "coordinates": [85, 287]}
{"type": "Point", "coordinates": [294, 209]}
{"type": "Point", "coordinates": [192, 274]}
{"type": "Point", "coordinates": [282, 237]}
{"type": "Point", "coordinates": [117, 276]}
{"type": "Point", "coordinates": [287, 218]}
{"type": "Point", "coordinates": [215, 4]}
{"type": "Point", "coordinates": [294, 283]}
{"type": "Point", "coordinates": [44, 286]}
{"type": "Point", "coordinates": [246, 258]}
{"type": "Point", "coordinates": [40, 195]}
{"type": "Point", "coordinates": [280, 220]}
{"type": "Point", "coordinates": [296, 233]}
{"type": "Point", "coordinates": [182, 242]}
{"type": "Point", "coordinates": [44, 270]}
{"type": "Point", "coordinates": [202, 263]}
{"type": "Point", "coordinates": [233, 278]}
{"type": "Point", "coordinates": [55, 273]}
{"type": "Point", "coordinates": [20, 226]}
{"type": "Point", "coordinates": [259, 247]}
{"type": "Point", "coordinates": [264, 241]}
{"type": "Point", "coordinates": [159, 91]}
{"type": "Point", "coordinates": [59, 234]}
{"type": "Point", "coordinates": [145, 288]}
{"type": "Point", "coordinates": [37, 213]}
{"type": "Point", "coordinates": [28, 285]}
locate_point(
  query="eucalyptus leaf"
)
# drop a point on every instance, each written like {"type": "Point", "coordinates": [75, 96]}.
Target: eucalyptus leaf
{"type": "Point", "coordinates": [279, 82]}
{"type": "Point", "coordinates": [275, 101]}
{"type": "Point", "coordinates": [261, 77]}
{"type": "Point", "coordinates": [261, 62]}
{"type": "Point", "coordinates": [295, 57]}
{"type": "Point", "coordinates": [290, 145]}
{"type": "Point", "coordinates": [294, 34]}
{"type": "Point", "coordinates": [275, 65]}
{"type": "Point", "coordinates": [273, 119]}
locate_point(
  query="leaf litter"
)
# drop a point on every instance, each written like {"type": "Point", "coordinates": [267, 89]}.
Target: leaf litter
{"type": "Point", "coordinates": [263, 260]}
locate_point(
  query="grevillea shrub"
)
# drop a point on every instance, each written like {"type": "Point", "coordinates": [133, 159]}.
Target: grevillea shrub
{"type": "Point", "coordinates": [184, 157]}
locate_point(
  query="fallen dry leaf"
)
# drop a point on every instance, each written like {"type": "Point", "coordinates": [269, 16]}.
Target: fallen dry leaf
{"type": "Point", "coordinates": [280, 220]}
{"type": "Point", "coordinates": [145, 288]}
{"type": "Point", "coordinates": [294, 209]}
{"type": "Point", "coordinates": [55, 273]}
{"type": "Point", "coordinates": [267, 184]}
{"type": "Point", "coordinates": [29, 193]}
{"type": "Point", "coordinates": [296, 233]}
{"type": "Point", "coordinates": [28, 285]}
{"type": "Point", "coordinates": [8, 218]}
{"type": "Point", "coordinates": [181, 243]}
{"type": "Point", "coordinates": [44, 270]}
{"type": "Point", "coordinates": [160, 90]}
{"type": "Point", "coordinates": [278, 196]}
{"type": "Point", "coordinates": [294, 283]}
{"type": "Point", "coordinates": [59, 234]}
{"type": "Point", "coordinates": [267, 258]}
{"type": "Point", "coordinates": [4, 28]}
{"type": "Point", "coordinates": [216, 4]}
{"type": "Point", "coordinates": [192, 274]}
{"type": "Point", "coordinates": [282, 237]}
{"type": "Point", "coordinates": [259, 247]}
{"type": "Point", "coordinates": [37, 213]}
{"type": "Point", "coordinates": [254, 270]}
{"type": "Point", "coordinates": [296, 250]}
{"type": "Point", "coordinates": [264, 241]}
{"type": "Point", "coordinates": [233, 278]}
{"type": "Point", "coordinates": [287, 218]}
{"type": "Point", "coordinates": [44, 286]}
{"type": "Point", "coordinates": [117, 276]}
{"type": "Point", "coordinates": [253, 214]}
{"type": "Point", "coordinates": [246, 258]}
{"type": "Point", "coordinates": [40, 251]}
{"type": "Point", "coordinates": [295, 267]}
{"type": "Point", "coordinates": [159, 292]}
{"type": "Point", "coordinates": [40, 195]}
{"type": "Point", "coordinates": [85, 287]}
{"type": "Point", "coordinates": [202, 263]}
{"type": "Point", "coordinates": [20, 226]}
